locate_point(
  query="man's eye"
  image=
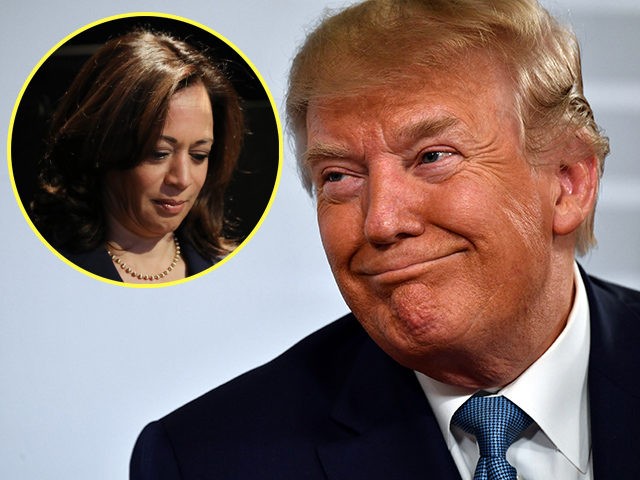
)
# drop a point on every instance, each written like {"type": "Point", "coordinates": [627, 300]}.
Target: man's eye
{"type": "Point", "coordinates": [432, 157]}
{"type": "Point", "coordinates": [334, 177]}
{"type": "Point", "coordinates": [337, 186]}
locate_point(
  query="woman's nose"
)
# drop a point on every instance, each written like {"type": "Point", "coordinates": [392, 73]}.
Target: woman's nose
{"type": "Point", "coordinates": [179, 173]}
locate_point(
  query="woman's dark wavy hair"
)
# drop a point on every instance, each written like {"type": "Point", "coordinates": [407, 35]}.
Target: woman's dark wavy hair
{"type": "Point", "coordinates": [110, 119]}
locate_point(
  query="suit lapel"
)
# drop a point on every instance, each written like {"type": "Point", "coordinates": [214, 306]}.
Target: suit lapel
{"type": "Point", "coordinates": [614, 371]}
{"type": "Point", "coordinates": [386, 427]}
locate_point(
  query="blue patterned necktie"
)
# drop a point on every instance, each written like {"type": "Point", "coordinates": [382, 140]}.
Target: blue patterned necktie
{"type": "Point", "coordinates": [496, 422]}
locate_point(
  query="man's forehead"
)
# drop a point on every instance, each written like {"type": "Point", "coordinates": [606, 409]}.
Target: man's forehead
{"type": "Point", "coordinates": [351, 78]}
{"type": "Point", "coordinates": [419, 110]}
{"type": "Point", "coordinates": [403, 121]}
{"type": "Point", "coordinates": [464, 76]}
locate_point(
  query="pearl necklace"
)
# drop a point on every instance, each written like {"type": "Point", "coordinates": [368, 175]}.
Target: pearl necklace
{"type": "Point", "coordinates": [128, 269]}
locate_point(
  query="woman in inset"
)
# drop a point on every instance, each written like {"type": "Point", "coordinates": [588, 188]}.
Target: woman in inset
{"type": "Point", "coordinates": [143, 146]}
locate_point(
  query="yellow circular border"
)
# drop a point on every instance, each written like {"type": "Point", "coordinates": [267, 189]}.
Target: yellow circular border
{"type": "Point", "coordinates": [273, 108]}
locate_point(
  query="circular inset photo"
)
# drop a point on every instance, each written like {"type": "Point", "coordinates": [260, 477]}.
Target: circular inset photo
{"type": "Point", "coordinates": [145, 149]}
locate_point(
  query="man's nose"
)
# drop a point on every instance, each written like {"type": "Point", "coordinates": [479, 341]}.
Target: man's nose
{"type": "Point", "coordinates": [179, 173]}
{"type": "Point", "coordinates": [393, 207]}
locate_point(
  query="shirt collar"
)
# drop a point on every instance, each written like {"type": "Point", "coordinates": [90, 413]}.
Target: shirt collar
{"type": "Point", "coordinates": [553, 390]}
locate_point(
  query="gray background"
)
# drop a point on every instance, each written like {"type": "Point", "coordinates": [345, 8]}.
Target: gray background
{"type": "Point", "coordinates": [85, 365]}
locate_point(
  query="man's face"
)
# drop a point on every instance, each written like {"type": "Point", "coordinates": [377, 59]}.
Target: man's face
{"type": "Point", "coordinates": [437, 228]}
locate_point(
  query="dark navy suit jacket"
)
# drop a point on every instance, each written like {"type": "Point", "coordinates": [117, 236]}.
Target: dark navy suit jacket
{"type": "Point", "coordinates": [336, 407]}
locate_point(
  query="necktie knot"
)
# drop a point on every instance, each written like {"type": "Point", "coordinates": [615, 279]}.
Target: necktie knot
{"type": "Point", "coordinates": [496, 423]}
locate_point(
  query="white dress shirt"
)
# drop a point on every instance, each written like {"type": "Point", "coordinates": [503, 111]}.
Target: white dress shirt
{"type": "Point", "coordinates": [552, 391]}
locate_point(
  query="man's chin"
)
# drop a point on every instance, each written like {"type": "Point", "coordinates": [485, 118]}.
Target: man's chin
{"type": "Point", "coordinates": [409, 321]}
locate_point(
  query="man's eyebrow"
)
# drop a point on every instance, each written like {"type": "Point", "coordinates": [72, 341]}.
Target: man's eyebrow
{"type": "Point", "coordinates": [321, 151]}
{"type": "Point", "coordinates": [423, 128]}
{"type": "Point", "coordinates": [427, 127]}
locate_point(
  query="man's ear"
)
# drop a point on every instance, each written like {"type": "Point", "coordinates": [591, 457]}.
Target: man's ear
{"type": "Point", "coordinates": [577, 175]}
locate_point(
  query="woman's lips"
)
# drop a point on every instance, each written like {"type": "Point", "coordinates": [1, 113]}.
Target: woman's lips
{"type": "Point", "coordinates": [170, 206]}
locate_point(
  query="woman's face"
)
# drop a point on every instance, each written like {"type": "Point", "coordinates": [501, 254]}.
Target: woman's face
{"type": "Point", "coordinates": [153, 198]}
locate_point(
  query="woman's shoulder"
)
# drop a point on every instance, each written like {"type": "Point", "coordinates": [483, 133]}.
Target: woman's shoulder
{"type": "Point", "coordinates": [96, 261]}
{"type": "Point", "coordinates": [195, 261]}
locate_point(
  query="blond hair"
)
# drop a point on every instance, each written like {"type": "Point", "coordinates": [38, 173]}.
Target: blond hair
{"type": "Point", "coordinates": [379, 43]}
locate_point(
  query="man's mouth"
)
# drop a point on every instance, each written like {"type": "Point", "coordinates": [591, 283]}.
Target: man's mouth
{"type": "Point", "coordinates": [405, 269]}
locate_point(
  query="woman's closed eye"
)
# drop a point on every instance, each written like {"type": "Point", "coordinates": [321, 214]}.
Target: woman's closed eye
{"type": "Point", "coordinates": [160, 154]}
{"type": "Point", "coordinates": [199, 157]}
